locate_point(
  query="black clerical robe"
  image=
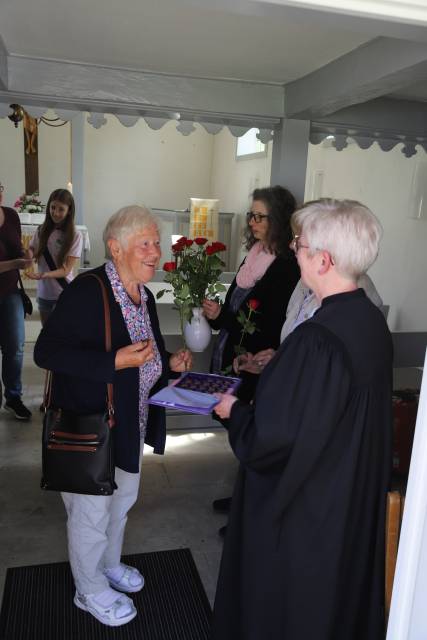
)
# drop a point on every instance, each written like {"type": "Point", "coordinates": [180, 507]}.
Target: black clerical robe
{"type": "Point", "coordinates": [304, 553]}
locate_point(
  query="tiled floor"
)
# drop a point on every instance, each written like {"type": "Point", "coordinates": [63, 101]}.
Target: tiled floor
{"type": "Point", "coordinates": [173, 510]}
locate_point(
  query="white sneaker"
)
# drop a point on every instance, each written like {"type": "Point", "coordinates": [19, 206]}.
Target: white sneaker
{"type": "Point", "coordinates": [130, 581]}
{"type": "Point", "coordinates": [119, 612]}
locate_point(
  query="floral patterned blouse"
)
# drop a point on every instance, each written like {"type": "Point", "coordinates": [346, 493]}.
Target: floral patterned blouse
{"type": "Point", "coordinates": [138, 325]}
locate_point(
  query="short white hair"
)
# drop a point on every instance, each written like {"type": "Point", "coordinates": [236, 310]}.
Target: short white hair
{"type": "Point", "coordinates": [127, 221]}
{"type": "Point", "coordinates": [347, 229]}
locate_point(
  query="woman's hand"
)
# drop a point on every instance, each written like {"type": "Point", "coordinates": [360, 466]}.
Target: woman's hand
{"type": "Point", "coordinates": [181, 360]}
{"type": "Point", "coordinates": [242, 361]}
{"type": "Point", "coordinates": [211, 309]}
{"type": "Point", "coordinates": [134, 355]}
{"type": "Point", "coordinates": [33, 275]}
{"type": "Point", "coordinates": [262, 358]}
{"type": "Point", "coordinates": [23, 263]}
{"type": "Point", "coordinates": [226, 401]}
{"type": "Point", "coordinates": [253, 363]}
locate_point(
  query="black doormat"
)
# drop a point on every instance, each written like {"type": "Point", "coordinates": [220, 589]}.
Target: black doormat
{"type": "Point", "coordinates": [38, 603]}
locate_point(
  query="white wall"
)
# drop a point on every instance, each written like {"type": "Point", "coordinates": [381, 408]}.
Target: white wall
{"type": "Point", "coordinates": [54, 159]}
{"type": "Point", "coordinates": [12, 168]}
{"type": "Point", "coordinates": [233, 181]}
{"type": "Point", "coordinates": [161, 169]}
{"type": "Point", "coordinates": [383, 181]}
{"type": "Point", "coordinates": [164, 169]}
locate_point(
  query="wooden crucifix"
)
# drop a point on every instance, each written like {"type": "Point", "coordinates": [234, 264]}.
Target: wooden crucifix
{"type": "Point", "coordinates": [31, 154]}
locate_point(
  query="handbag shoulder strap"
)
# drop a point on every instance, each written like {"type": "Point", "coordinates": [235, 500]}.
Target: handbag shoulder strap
{"type": "Point", "coordinates": [107, 321]}
{"type": "Point", "coordinates": [21, 286]}
{"type": "Point", "coordinates": [52, 266]}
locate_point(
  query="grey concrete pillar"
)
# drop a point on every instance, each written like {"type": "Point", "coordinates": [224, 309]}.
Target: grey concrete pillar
{"type": "Point", "coordinates": [289, 159]}
{"type": "Point", "coordinates": [77, 164]}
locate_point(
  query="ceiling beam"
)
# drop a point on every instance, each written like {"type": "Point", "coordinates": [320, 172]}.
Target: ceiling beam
{"type": "Point", "coordinates": [392, 18]}
{"type": "Point", "coordinates": [400, 11]}
{"type": "Point", "coordinates": [56, 82]}
{"type": "Point", "coordinates": [383, 114]}
{"type": "Point", "coordinates": [379, 67]}
{"type": "Point", "coordinates": [3, 65]}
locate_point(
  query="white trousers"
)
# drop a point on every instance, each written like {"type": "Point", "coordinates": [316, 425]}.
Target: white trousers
{"type": "Point", "coordinates": [96, 527]}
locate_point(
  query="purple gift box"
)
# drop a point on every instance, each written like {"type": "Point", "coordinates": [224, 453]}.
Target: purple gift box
{"type": "Point", "coordinates": [193, 392]}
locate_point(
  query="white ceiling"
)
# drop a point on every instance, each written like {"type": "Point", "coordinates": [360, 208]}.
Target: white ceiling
{"type": "Point", "coordinates": [173, 36]}
{"type": "Point", "coordinates": [416, 92]}
{"type": "Point", "coordinates": [238, 63]}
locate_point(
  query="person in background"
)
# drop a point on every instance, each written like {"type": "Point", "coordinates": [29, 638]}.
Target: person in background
{"type": "Point", "coordinates": [304, 551]}
{"type": "Point", "coordinates": [12, 327]}
{"type": "Point", "coordinates": [71, 344]}
{"type": "Point", "coordinates": [303, 304]}
{"type": "Point", "coordinates": [265, 279]}
{"type": "Point", "coordinates": [56, 247]}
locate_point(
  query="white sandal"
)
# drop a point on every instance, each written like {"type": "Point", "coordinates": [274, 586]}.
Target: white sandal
{"type": "Point", "coordinates": [130, 582]}
{"type": "Point", "coordinates": [121, 611]}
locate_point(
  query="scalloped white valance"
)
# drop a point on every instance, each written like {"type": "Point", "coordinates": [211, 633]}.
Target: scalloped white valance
{"type": "Point", "coordinates": [184, 122]}
{"type": "Point", "coordinates": [386, 140]}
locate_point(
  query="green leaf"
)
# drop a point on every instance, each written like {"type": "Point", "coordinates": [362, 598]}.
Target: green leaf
{"type": "Point", "coordinates": [185, 291]}
{"type": "Point", "coordinates": [227, 370]}
{"type": "Point", "coordinates": [239, 350]}
{"type": "Point", "coordinates": [241, 317]}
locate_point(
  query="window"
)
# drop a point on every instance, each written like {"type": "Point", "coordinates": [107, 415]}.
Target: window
{"type": "Point", "coordinates": [248, 146]}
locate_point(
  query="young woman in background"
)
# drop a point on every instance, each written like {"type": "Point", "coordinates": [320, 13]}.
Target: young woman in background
{"type": "Point", "coordinates": [56, 247]}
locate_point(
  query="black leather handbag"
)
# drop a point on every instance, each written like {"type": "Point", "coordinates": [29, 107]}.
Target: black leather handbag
{"type": "Point", "coordinates": [77, 449]}
{"type": "Point", "coordinates": [26, 301]}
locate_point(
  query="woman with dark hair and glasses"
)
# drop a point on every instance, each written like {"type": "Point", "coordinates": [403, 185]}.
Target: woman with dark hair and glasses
{"type": "Point", "coordinates": [302, 305]}
{"type": "Point", "coordinates": [267, 275]}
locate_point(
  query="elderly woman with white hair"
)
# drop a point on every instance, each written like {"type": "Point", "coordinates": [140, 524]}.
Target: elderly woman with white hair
{"type": "Point", "coordinates": [304, 552]}
{"type": "Point", "coordinates": [71, 345]}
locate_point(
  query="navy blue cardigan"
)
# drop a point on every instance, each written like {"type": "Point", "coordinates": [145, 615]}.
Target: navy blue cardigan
{"type": "Point", "coordinates": [72, 345]}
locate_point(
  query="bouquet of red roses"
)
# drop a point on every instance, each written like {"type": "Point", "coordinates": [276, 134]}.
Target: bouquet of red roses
{"type": "Point", "coordinates": [193, 274]}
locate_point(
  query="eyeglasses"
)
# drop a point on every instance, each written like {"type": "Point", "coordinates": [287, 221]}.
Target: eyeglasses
{"type": "Point", "coordinates": [1, 188]}
{"type": "Point", "coordinates": [296, 244]}
{"type": "Point", "coordinates": [258, 217]}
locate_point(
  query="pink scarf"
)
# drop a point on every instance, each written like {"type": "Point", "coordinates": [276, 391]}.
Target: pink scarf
{"type": "Point", "coordinates": [256, 264]}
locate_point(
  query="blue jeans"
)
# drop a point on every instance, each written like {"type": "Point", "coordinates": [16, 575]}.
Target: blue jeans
{"type": "Point", "coordinates": [47, 306]}
{"type": "Point", "coordinates": [12, 338]}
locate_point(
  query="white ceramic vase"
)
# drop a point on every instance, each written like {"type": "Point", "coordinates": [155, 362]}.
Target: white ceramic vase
{"type": "Point", "coordinates": [197, 333]}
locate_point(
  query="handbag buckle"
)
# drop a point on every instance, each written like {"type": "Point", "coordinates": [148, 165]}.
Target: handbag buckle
{"type": "Point", "coordinates": [111, 420]}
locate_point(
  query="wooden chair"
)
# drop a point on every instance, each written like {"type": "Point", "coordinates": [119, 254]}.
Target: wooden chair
{"type": "Point", "coordinates": [394, 514]}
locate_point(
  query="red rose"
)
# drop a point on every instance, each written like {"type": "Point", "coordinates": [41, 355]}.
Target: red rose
{"type": "Point", "coordinates": [253, 304]}
{"type": "Point", "coordinates": [178, 246]}
{"type": "Point", "coordinates": [200, 241]}
{"type": "Point", "coordinates": [210, 250]}
{"type": "Point", "coordinates": [188, 243]}
{"type": "Point", "coordinates": [169, 266]}
{"type": "Point", "coordinates": [216, 247]}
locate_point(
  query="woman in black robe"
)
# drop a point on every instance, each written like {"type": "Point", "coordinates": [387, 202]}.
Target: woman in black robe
{"type": "Point", "coordinates": [304, 552]}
